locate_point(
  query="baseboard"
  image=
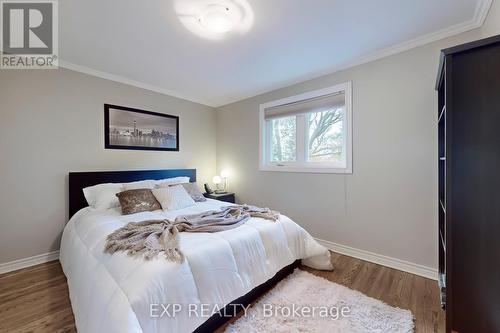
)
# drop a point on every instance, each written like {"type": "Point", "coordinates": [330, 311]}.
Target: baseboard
{"type": "Point", "coordinates": [379, 259]}
{"type": "Point", "coordinates": [27, 262]}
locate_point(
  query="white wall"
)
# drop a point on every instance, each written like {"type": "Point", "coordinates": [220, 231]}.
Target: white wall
{"type": "Point", "coordinates": [51, 123]}
{"type": "Point", "coordinates": [389, 204]}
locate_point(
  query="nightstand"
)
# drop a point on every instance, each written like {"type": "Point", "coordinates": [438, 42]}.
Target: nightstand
{"type": "Point", "coordinates": [227, 197]}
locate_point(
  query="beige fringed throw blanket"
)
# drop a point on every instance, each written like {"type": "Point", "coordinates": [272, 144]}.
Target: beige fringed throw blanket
{"type": "Point", "coordinates": [149, 238]}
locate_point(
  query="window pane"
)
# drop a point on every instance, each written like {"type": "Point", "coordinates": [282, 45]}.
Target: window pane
{"type": "Point", "coordinates": [283, 133]}
{"type": "Point", "coordinates": [326, 136]}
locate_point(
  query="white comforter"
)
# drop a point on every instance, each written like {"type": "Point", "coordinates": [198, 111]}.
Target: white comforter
{"type": "Point", "coordinates": [118, 293]}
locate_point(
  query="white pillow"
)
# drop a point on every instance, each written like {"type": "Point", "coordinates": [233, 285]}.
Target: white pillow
{"type": "Point", "coordinates": [139, 185]}
{"type": "Point", "coordinates": [173, 197]}
{"type": "Point", "coordinates": [103, 196]}
{"type": "Point", "coordinates": [171, 181]}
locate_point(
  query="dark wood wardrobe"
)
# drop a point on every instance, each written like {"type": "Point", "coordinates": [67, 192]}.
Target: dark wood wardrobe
{"type": "Point", "coordinates": [468, 86]}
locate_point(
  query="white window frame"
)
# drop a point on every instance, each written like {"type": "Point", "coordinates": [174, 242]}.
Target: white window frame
{"type": "Point", "coordinates": [312, 167]}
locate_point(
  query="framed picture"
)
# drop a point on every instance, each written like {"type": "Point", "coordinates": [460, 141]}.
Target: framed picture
{"type": "Point", "coordinates": [128, 128]}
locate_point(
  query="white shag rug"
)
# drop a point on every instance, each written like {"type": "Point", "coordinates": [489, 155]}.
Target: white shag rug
{"type": "Point", "coordinates": [274, 312]}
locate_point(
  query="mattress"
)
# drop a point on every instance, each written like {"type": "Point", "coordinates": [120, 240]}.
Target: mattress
{"type": "Point", "coordinates": [119, 293]}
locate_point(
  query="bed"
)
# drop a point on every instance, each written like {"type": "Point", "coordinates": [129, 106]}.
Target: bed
{"type": "Point", "coordinates": [119, 293]}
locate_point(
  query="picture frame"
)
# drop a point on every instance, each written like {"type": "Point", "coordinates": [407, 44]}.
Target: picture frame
{"type": "Point", "coordinates": [136, 129]}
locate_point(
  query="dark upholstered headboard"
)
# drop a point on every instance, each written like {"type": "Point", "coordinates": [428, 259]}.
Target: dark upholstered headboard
{"type": "Point", "coordinates": [79, 180]}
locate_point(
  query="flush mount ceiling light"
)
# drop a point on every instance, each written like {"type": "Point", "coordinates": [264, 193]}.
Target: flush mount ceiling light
{"type": "Point", "coordinates": [215, 19]}
{"type": "Point", "coordinates": [219, 18]}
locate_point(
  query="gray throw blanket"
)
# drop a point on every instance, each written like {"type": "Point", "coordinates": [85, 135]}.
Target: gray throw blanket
{"type": "Point", "coordinates": [149, 238]}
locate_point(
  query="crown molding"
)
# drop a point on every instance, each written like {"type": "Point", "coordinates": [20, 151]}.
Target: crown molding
{"type": "Point", "coordinates": [480, 15]}
{"type": "Point", "coordinates": [127, 81]}
{"type": "Point", "coordinates": [482, 10]}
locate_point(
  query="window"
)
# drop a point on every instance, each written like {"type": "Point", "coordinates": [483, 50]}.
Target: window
{"type": "Point", "coordinates": [283, 136]}
{"type": "Point", "coordinates": [309, 132]}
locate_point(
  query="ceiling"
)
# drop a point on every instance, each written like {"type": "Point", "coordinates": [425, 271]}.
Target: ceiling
{"type": "Point", "coordinates": [145, 44]}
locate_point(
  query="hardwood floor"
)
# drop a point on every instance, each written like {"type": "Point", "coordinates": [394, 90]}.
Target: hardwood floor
{"type": "Point", "coordinates": [36, 299]}
{"type": "Point", "coordinates": [394, 287]}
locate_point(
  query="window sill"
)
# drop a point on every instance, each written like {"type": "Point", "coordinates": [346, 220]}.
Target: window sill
{"type": "Point", "coordinates": [304, 169]}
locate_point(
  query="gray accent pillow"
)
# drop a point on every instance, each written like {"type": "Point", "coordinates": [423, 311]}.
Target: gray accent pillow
{"type": "Point", "coordinates": [136, 201]}
{"type": "Point", "coordinates": [194, 191]}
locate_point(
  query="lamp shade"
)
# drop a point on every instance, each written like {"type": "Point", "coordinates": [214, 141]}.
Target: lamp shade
{"type": "Point", "coordinates": [225, 173]}
{"type": "Point", "coordinates": [216, 180]}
